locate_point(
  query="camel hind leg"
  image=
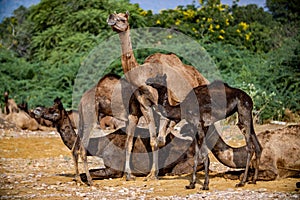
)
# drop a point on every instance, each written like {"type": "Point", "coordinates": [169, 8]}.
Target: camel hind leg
{"type": "Point", "coordinates": [258, 152]}
{"type": "Point", "coordinates": [75, 158]}
{"type": "Point", "coordinates": [245, 124]}
{"type": "Point", "coordinates": [77, 149]}
{"type": "Point", "coordinates": [83, 154]}
{"type": "Point", "coordinates": [130, 129]}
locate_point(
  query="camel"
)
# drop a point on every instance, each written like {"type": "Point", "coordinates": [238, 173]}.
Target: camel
{"type": "Point", "coordinates": [280, 156]}
{"type": "Point", "coordinates": [10, 104]}
{"type": "Point", "coordinates": [59, 116]}
{"type": "Point", "coordinates": [147, 96]}
{"type": "Point", "coordinates": [22, 120]}
{"type": "Point", "coordinates": [207, 104]}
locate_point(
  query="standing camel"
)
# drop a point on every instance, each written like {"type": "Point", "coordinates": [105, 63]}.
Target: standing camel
{"type": "Point", "coordinates": [147, 96]}
{"type": "Point", "coordinates": [207, 104]}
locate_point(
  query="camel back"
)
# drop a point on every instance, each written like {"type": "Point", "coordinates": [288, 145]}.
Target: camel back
{"type": "Point", "coordinates": [181, 78]}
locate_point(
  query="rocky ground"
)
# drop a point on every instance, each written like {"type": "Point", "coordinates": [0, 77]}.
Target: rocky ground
{"type": "Point", "coordinates": [37, 165]}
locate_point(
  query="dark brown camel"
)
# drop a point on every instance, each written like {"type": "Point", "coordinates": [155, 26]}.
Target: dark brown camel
{"type": "Point", "coordinates": [60, 118]}
{"type": "Point", "coordinates": [205, 105]}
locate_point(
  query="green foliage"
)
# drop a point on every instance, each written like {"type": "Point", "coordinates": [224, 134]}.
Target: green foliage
{"type": "Point", "coordinates": [49, 48]}
{"type": "Point", "coordinates": [284, 10]}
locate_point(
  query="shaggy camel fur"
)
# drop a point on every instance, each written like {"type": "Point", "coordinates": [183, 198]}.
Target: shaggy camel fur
{"type": "Point", "coordinates": [147, 96]}
{"type": "Point", "coordinates": [205, 105]}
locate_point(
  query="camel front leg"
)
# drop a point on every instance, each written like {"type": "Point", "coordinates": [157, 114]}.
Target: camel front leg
{"type": "Point", "coordinates": [205, 158]}
{"type": "Point", "coordinates": [162, 134]}
{"type": "Point", "coordinates": [153, 175]}
{"type": "Point", "coordinates": [194, 175]}
{"type": "Point", "coordinates": [130, 129]}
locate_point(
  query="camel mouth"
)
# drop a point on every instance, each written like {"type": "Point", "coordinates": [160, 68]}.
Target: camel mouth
{"type": "Point", "coordinates": [37, 112]}
{"type": "Point", "coordinates": [110, 22]}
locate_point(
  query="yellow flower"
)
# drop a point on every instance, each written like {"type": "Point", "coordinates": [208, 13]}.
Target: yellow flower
{"type": "Point", "coordinates": [198, 20]}
{"type": "Point", "coordinates": [217, 26]}
{"type": "Point", "coordinates": [227, 22]}
{"type": "Point", "coordinates": [220, 7]}
{"type": "Point", "coordinates": [177, 22]}
{"type": "Point", "coordinates": [209, 19]}
{"type": "Point", "coordinates": [194, 30]}
{"type": "Point", "coordinates": [221, 37]}
{"type": "Point", "coordinates": [222, 31]}
{"type": "Point", "coordinates": [238, 31]}
{"type": "Point", "coordinates": [203, 18]}
{"type": "Point", "coordinates": [247, 36]}
{"type": "Point", "coordinates": [170, 36]}
{"type": "Point", "coordinates": [244, 25]}
{"type": "Point", "coordinates": [211, 28]}
{"type": "Point", "coordinates": [158, 21]}
{"type": "Point", "coordinates": [144, 13]}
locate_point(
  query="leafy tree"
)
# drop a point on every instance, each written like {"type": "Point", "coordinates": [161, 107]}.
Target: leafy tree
{"type": "Point", "coordinates": [284, 10]}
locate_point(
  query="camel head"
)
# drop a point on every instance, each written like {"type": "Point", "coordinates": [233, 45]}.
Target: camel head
{"type": "Point", "coordinates": [119, 22]}
{"type": "Point", "coordinates": [53, 113]}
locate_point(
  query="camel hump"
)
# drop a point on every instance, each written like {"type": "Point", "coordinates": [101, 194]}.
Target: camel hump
{"type": "Point", "coordinates": [181, 78]}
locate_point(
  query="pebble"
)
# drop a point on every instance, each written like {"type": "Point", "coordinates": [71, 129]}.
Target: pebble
{"type": "Point", "coordinates": [21, 182]}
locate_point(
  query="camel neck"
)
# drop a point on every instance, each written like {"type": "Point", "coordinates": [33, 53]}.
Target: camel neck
{"type": "Point", "coordinates": [66, 131]}
{"type": "Point", "coordinates": [128, 60]}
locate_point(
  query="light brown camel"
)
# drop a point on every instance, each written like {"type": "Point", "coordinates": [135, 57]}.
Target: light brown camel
{"type": "Point", "coordinates": [10, 104]}
{"type": "Point", "coordinates": [280, 157]}
{"type": "Point", "coordinates": [23, 121]}
{"type": "Point", "coordinates": [147, 96]}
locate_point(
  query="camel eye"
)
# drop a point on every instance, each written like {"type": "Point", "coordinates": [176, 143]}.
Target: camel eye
{"type": "Point", "coordinates": [56, 115]}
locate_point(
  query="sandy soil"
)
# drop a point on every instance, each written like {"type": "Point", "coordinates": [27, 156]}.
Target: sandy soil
{"type": "Point", "coordinates": [37, 165]}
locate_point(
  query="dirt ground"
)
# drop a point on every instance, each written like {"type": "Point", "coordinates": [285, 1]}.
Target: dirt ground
{"type": "Point", "coordinates": [37, 165]}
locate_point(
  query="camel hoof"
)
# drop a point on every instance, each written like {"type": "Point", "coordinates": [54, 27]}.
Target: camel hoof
{"type": "Point", "coordinates": [151, 178]}
{"type": "Point", "coordinates": [161, 141]}
{"type": "Point", "coordinates": [240, 185]}
{"type": "Point", "coordinates": [252, 182]}
{"type": "Point", "coordinates": [191, 186]}
{"type": "Point", "coordinates": [130, 177]}
{"type": "Point", "coordinates": [205, 188]}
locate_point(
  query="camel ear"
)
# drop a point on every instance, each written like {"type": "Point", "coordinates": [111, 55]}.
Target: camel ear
{"type": "Point", "coordinates": [165, 76]}
{"type": "Point", "coordinates": [127, 14]}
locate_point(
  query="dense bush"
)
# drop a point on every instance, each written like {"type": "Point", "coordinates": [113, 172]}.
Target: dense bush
{"type": "Point", "coordinates": [43, 54]}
